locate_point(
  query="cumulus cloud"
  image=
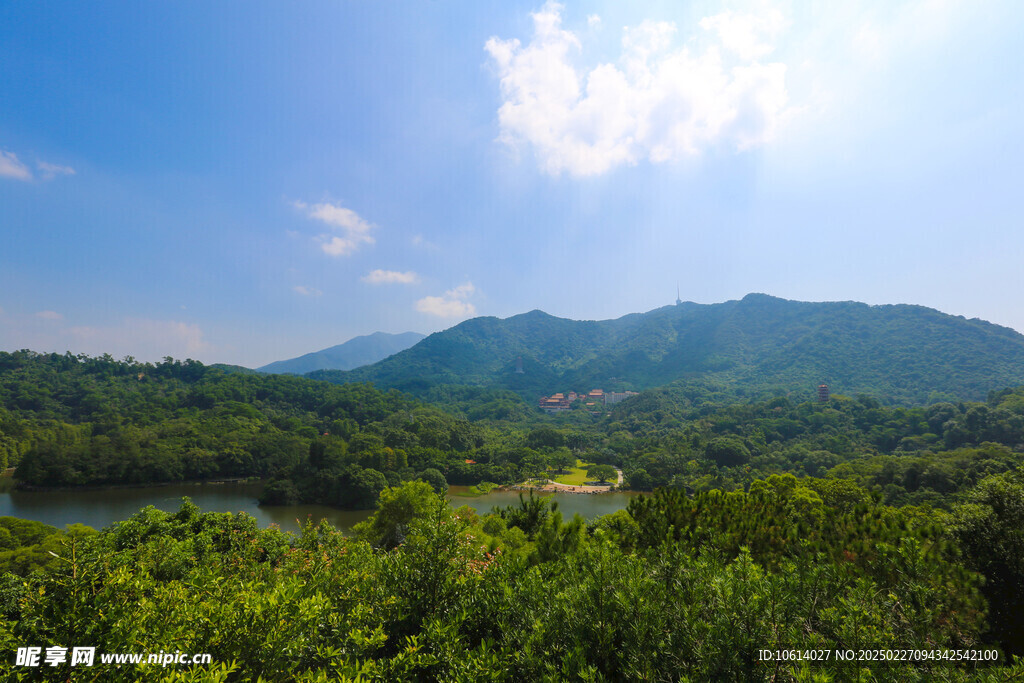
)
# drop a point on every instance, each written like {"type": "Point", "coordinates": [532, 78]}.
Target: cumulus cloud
{"type": "Point", "coordinates": [461, 292]}
{"type": "Point", "coordinates": [452, 305]}
{"type": "Point", "coordinates": [445, 308]}
{"type": "Point", "coordinates": [49, 315]}
{"type": "Point", "coordinates": [12, 167]}
{"type": "Point", "coordinates": [750, 36]}
{"type": "Point", "coordinates": [388, 277]}
{"type": "Point", "coordinates": [306, 291]}
{"type": "Point", "coordinates": [660, 101]}
{"type": "Point", "coordinates": [350, 230]}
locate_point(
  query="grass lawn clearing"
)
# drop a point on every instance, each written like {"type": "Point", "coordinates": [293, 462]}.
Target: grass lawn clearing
{"type": "Point", "coordinates": [577, 476]}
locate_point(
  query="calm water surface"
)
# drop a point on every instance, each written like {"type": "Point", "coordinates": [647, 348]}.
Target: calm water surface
{"type": "Point", "coordinates": [101, 508]}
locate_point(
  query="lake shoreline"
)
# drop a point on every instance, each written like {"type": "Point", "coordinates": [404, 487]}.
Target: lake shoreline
{"type": "Point", "coordinates": [20, 486]}
{"type": "Point", "coordinates": [101, 507]}
{"type": "Point", "coordinates": [565, 488]}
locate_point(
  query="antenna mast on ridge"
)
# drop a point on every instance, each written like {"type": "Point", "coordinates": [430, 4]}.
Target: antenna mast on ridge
{"type": "Point", "coordinates": [678, 300]}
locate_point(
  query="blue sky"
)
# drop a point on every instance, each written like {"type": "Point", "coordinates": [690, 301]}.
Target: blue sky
{"type": "Point", "coordinates": [244, 182]}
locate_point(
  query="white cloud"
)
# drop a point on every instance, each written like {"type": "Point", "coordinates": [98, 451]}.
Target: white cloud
{"type": "Point", "coordinates": [11, 167]}
{"type": "Point", "coordinates": [350, 230]}
{"type": "Point", "coordinates": [306, 291]}
{"type": "Point", "coordinates": [593, 20]}
{"type": "Point", "coordinates": [444, 308]}
{"type": "Point", "coordinates": [49, 315]}
{"type": "Point", "coordinates": [387, 277]}
{"type": "Point", "coordinates": [750, 36]}
{"type": "Point", "coordinates": [658, 102]}
{"type": "Point", "coordinates": [51, 171]}
{"type": "Point", "coordinates": [461, 292]}
{"type": "Point", "coordinates": [868, 42]}
{"type": "Point", "coordinates": [451, 305]}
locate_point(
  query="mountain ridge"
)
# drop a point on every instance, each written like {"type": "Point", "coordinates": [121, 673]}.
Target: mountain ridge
{"type": "Point", "coordinates": [355, 352]}
{"type": "Point", "coordinates": [903, 352]}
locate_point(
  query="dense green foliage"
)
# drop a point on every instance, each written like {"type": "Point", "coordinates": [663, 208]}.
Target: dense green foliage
{"type": "Point", "coordinates": [67, 420]}
{"type": "Point", "coordinates": [73, 420]}
{"type": "Point", "coordinates": [425, 593]}
{"type": "Point", "coordinates": [776, 524]}
{"type": "Point", "coordinates": [909, 455]}
{"type": "Point", "coordinates": [990, 529]}
{"type": "Point", "coordinates": [26, 545]}
{"type": "Point", "coordinates": [757, 346]}
{"type": "Point", "coordinates": [601, 473]}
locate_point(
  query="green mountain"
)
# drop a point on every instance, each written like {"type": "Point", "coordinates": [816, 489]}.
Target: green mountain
{"type": "Point", "coordinates": [352, 354]}
{"type": "Point", "coordinates": [759, 344]}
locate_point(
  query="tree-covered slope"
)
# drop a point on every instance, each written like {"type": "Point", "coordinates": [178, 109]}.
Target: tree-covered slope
{"type": "Point", "coordinates": [74, 420]}
{"type": "Point", "coordinates": [757, 344]}
{"type": "Point", "coordinates": [354, 353]}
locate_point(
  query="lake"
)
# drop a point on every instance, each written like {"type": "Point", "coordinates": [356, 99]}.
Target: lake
{"type": "Point", "coordinates": [99, 508]}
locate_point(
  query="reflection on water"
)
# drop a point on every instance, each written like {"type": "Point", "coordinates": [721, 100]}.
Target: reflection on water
{"type": "Point", "coordinates": [100, 508]}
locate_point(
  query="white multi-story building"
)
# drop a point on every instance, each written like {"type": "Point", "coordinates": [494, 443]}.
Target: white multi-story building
{"type": "Point", "coordinates": [613, 397]}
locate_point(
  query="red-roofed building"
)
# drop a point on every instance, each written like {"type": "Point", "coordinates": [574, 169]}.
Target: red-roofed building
{"type": "Point", "coordinates": [554, 404]}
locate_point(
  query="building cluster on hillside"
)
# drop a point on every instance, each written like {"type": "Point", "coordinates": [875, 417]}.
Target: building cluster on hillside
{"type": "Point", "coordinates": [592, 400]}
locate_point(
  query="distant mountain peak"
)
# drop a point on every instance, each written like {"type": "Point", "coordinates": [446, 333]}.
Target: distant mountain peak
{"type": "Point", "coordinates": [759, 296]}
{"type": "Point", "coordinates": [354, 353]}
{"type": "Point", "coordinates": [535, 313]}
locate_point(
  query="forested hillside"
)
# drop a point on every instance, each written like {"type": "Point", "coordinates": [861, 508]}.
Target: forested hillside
{"type": "Point", "coordinates": [774, 524]}
{"type": "Point", "coordinates": [74, 420]}
{"type": "Point", "coordinates": [758, 345]}
{"type": "Point", "coordinates": [68, 421]}
{"type": "Point", "coordinates": [908, 455]}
